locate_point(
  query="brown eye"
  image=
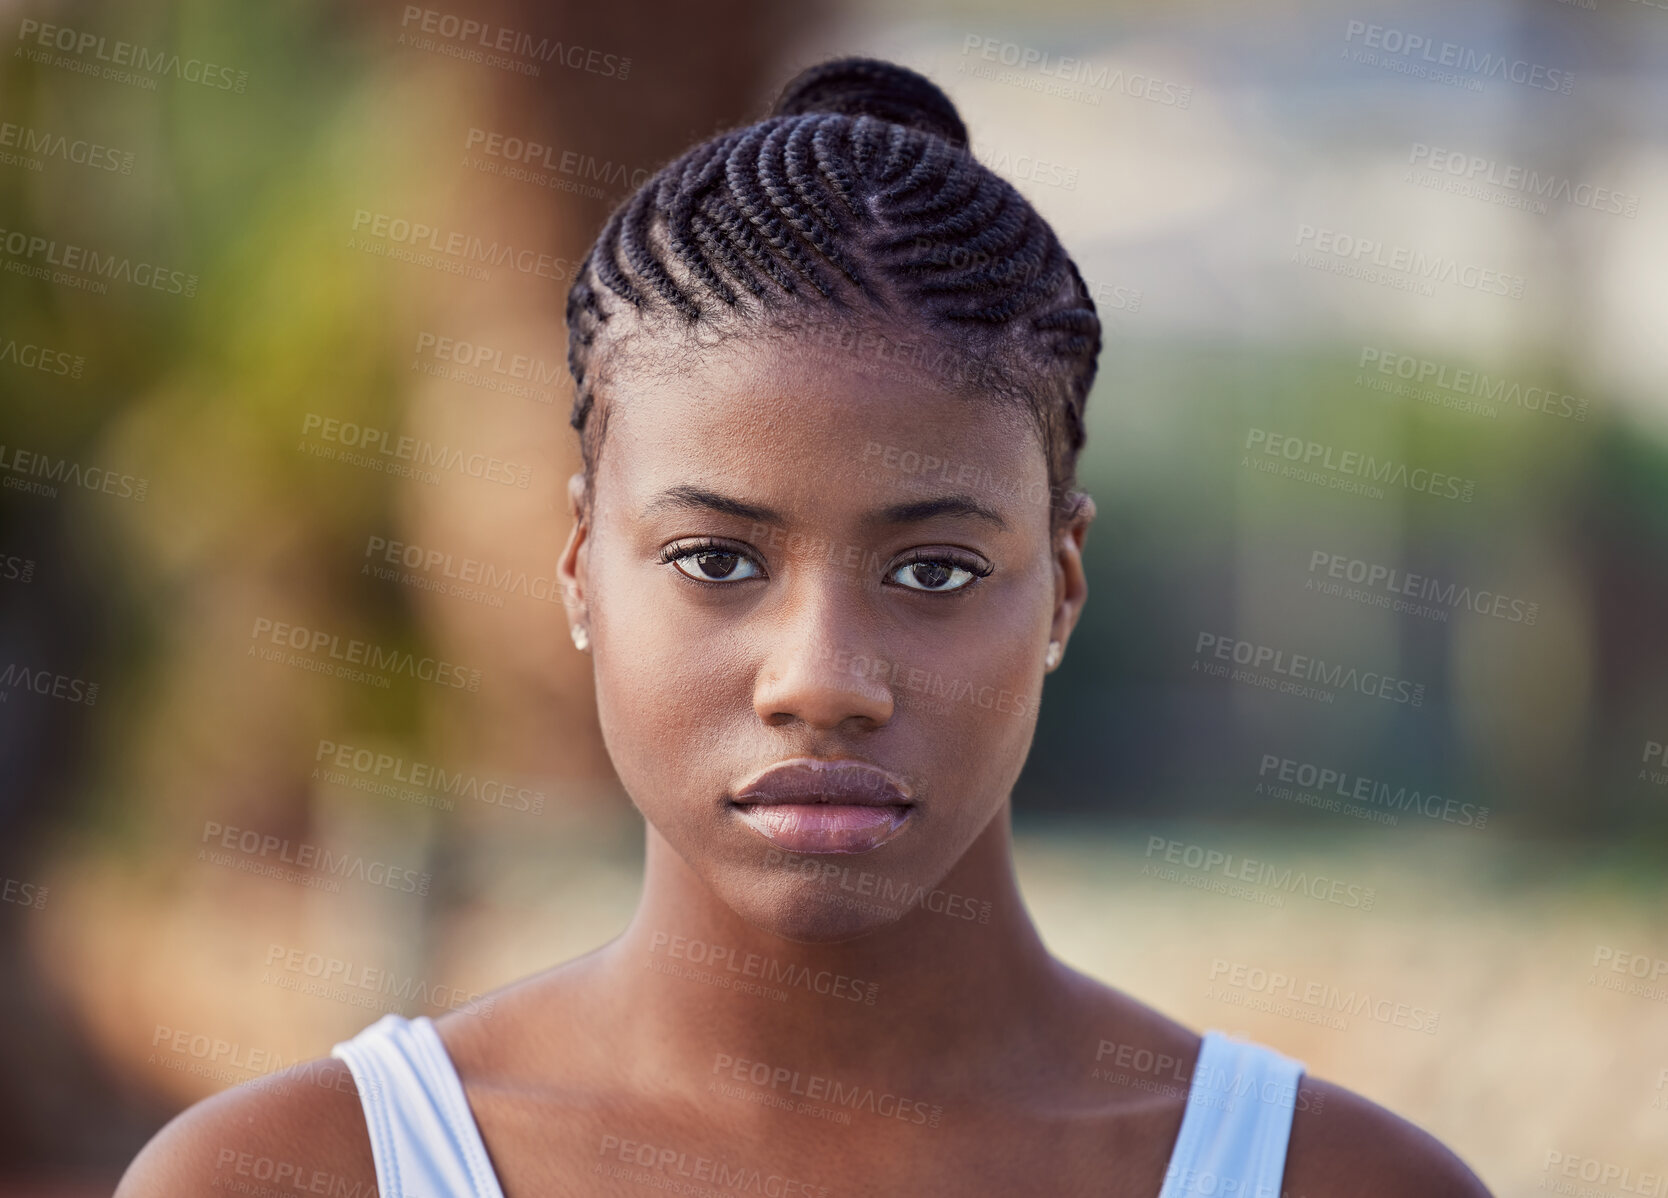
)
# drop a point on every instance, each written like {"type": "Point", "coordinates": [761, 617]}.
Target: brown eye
{"type": "Point", "coordinates": [714, 565]}
{"type": "Point", "coordinates": [933, 574]}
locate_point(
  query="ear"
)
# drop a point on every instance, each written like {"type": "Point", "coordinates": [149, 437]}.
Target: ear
{"type": "Point", "coordinates": [570, 567]}
{"type": "Point", "coordinates": [1071, 587]}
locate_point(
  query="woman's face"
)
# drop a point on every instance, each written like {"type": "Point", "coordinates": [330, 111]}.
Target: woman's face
{"type": "Point", "coordinates": [791, 557]}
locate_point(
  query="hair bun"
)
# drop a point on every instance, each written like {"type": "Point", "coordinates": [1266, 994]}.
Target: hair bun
{"type": "Point", "coordinates": [871, 87]}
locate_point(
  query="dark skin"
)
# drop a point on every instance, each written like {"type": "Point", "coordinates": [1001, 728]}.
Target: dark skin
{"type": "Point", "coordinates": [701, 681]}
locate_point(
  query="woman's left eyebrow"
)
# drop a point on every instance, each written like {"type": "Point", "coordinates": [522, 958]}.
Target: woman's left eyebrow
{"type": "Point", "coordinates": [944, 505]}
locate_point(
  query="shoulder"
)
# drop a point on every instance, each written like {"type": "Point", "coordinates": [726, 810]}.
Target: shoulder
{"type": "Point", "coordinates": [1342, 1145]}
{"type": "Point", "coordinates": [299, 1129]}
{"type": "Point", "coordinates": [1345, 1146]}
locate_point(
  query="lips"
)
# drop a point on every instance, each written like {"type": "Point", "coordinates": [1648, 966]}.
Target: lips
{"type": "Point", "coordinates": [812, 805]}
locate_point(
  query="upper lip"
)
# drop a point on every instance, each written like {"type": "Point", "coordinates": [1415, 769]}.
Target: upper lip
{"type": "Point", "coordinates": [842, 780]}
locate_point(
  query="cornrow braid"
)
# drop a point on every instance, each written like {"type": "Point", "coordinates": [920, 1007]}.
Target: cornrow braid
{"type": "Point", "coordinates": [857, 194]}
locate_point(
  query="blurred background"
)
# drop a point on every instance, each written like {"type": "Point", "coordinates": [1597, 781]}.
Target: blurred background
{"type": "Point", "coordinates": [245, 250]}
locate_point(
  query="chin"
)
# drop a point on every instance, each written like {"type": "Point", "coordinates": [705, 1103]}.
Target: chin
{"type": "Point", "coordinates": [810, 913]}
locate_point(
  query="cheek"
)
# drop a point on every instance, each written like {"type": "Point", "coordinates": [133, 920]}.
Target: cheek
{"type": "Point", "coordinates": [984, 679]}
{"type": "Point", "coordinates": [659, 695]}
{"type": "Point", "coordinates": [977, 701]}
{"type": "Point", "coordinates": [981, 729]}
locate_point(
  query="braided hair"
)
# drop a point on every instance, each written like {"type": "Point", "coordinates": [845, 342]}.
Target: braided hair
{"type": "Point", "coordinates": [856, 202]}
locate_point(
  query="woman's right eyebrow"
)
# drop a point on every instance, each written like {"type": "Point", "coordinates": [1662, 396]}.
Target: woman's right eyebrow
{"type": "Point", "coordinates": [686, 496]}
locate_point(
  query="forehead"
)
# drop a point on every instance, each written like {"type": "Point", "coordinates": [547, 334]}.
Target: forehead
{"type": "Point", "coordinates": [816, 428]}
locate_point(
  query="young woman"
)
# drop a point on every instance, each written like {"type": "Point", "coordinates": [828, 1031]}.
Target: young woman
{"type": "Point", "coordinates": [830, 376]}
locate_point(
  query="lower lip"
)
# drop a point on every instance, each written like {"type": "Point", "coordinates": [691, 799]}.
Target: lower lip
{"type": "Point", "coordinates": [823, 827]}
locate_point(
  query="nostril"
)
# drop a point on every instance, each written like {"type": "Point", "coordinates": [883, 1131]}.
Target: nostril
{"type": "Point", "coordinates": [821, 695]}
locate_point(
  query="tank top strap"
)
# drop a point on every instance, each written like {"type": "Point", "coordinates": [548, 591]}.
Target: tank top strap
{"type": "Point", "coordinates": [1237, 1123]}
{"type": "Point", "coordinates": [423, 1136]}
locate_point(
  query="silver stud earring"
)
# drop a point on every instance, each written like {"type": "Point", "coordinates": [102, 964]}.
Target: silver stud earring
{"type": "Point", "coordinates": [1052, 657]}
{"type": "Point", "coordinates": [581, 638]}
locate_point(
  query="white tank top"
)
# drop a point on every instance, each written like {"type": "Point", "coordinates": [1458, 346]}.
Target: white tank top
{"type": "Point", "coordinates": [1232, 1140]}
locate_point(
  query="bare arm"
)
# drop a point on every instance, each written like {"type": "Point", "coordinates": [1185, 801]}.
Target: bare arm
{"type": "Point", "coordinates": [301, 1129]}
{"type": "Point", "coordinates": [1343, 1146]}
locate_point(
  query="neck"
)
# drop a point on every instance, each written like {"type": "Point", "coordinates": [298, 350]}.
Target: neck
{"type": "Point", "coordinates": [945, 997]}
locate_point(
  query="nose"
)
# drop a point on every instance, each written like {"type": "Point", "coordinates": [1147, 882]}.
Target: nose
{"type": "Point", "coordinates": [822, 668]}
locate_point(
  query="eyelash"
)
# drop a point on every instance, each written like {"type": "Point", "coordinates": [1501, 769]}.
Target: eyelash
{"type": "Point", "coordinates": [693, 548]}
